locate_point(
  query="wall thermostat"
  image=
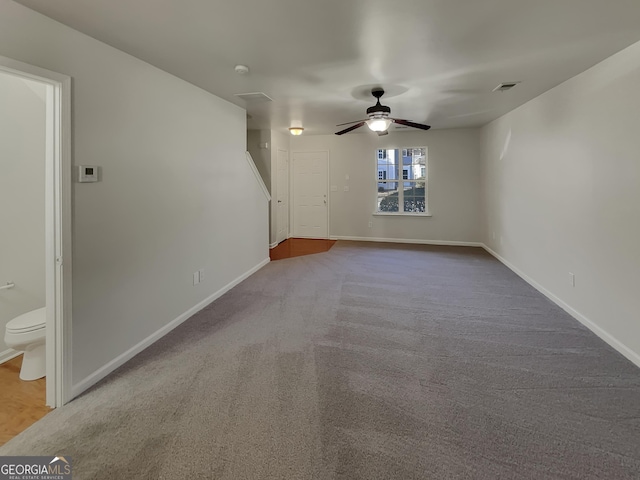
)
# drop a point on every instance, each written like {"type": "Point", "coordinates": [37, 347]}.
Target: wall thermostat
{"type": "Point", "coordinates": [87, 174]}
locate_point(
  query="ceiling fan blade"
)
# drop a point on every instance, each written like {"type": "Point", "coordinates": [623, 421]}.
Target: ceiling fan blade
{"type": "Point", "coordinates": [355, 121]}
{"type": "Point", "coordinates": [347, 130]}
{"type": "Point", "coordinates": [411, 124]}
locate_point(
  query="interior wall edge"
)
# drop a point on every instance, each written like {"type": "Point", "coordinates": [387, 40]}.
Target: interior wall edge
{"type": "Point", "coordinates": [616, 344]}
{"type": "Point", "coordinates": [120, 360]}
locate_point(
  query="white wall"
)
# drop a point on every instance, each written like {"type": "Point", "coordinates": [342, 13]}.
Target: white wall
{"type": "Point", "coordinates": [22, 222]}
{"type": "Point", "coordinates": [561, 183]}
{"type": "Point", "coordinates": [172, 167]}
{"type": "Point", "coordinates": [453, 188]}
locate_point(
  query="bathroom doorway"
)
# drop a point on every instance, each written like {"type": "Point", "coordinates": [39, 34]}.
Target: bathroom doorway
{"type": "Point", "coordinates": [53, 90]}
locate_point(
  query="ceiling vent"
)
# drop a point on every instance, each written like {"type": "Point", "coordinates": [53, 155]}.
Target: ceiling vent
{"type": "Point", "coordinates": [503, 87]}
{"type": "Point", "coordinates": [255, 97]}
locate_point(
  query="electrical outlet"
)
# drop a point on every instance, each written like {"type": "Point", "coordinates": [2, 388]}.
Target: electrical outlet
{"type": "Point", "coordinates": [572, 279]}
{"type": "Point", "coordinates": [346, 188]}
{"type": "Point", "coordinates": [370, 223]}
{"type": "Point", "coordinates": [196, 278]}
{"type": "Point", "coordinates": [201, 274]}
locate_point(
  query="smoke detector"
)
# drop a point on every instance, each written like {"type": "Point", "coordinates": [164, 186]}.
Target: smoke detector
{"type": "Point", "coordinates": [241, 69]}
{"type": "Point", "coordinates": [503, 87]}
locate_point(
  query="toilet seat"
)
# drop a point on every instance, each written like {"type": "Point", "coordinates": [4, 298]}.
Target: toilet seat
{"type": "Point", "coordinates": [28, 322]}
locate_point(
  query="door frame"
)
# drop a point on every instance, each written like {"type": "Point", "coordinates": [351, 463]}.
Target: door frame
{"type": "Point", "coordinates": [58, 225]}
{"type": "Point", "coordinates": [292, 188]}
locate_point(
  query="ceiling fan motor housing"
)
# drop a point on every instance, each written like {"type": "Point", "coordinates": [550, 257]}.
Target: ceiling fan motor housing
{"type": "Point", "coordinates": [378, 110]}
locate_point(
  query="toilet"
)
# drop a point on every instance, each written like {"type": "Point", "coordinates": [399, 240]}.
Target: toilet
{"type": "Point", "coordinates": [26, 333]}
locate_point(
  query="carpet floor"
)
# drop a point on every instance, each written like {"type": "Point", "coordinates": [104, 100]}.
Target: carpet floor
{"type": "Point", "coordinates": [370, 361]}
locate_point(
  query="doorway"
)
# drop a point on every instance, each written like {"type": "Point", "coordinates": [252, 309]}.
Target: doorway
{"type": "Point", "coordinates": [310, 194]}
{"type": "Point", "coordinates": [56, 90]}
{"type": "Point", "coordinates": [282, 191]}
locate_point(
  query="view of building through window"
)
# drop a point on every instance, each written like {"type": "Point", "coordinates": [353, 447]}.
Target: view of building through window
{"type": "Point", "coordinates": [402, 180]}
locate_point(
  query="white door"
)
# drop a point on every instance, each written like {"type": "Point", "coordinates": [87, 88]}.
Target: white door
{"type": "Point", "coordinates": [282, 213]}
{"type": "Point", "coordinates": [310, 202]}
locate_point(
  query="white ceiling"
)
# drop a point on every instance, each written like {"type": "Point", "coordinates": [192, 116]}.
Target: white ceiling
{"type": "Point", "coordinates": [317, 60]}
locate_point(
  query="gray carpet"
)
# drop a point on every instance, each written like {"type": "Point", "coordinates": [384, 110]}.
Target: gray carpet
{"type": "Point", "coordinates": [370, 361]}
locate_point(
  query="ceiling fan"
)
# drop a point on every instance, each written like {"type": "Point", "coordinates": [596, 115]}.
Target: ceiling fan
{"type": "Point", "coordinates": [379, 119]}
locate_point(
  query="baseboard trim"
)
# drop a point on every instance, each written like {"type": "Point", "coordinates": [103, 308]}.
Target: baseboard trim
{"type": "Point", "coordinates": [590, 324]}
{"type": "Point", "coordinates": [417, 241]}
{"type": "Point", "coordinates": [102, 372]}
{"type": "Point", "coordinates": [8, 355]}
{"type": "Point", "coordinates": [273, 245]}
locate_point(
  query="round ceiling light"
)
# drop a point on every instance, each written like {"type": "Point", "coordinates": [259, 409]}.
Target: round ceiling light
{"type": "Point", "coordinates": [378, 124]}
{"type": "Point", "coordinates": [296, 130]}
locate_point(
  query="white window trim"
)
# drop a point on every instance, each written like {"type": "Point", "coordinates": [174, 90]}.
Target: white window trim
{"type": "Point", "coordinates": [402, 214]}
{"type": "Point", "coordinates": [427, 212]}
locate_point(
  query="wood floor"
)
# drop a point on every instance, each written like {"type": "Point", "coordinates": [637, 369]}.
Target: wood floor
{"type": "Point", "coordinates": [297, 247]}
{"type": "Point", "coordinates": [21, 403]}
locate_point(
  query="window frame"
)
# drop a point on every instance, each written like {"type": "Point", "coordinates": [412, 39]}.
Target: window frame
{"type": "Point", "coordinates": [400, 182]}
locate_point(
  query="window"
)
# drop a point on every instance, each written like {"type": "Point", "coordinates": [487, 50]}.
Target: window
{"type": "Point", "coordinates": [406, 194]}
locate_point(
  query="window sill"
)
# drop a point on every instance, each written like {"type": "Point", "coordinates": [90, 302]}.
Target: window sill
{"type": "Point", "coordinates": [401, 214]}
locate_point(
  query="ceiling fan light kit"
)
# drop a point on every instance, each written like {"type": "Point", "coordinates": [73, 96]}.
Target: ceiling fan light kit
{"type": "Point", "coordinates": [379, 119]}
{"type": "Point", "coordinates": [296, 130]}
{"type": "Point", "coordinates": [378, 124]}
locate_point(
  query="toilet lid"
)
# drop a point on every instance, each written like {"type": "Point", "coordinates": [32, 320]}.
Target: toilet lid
{"type": "Point", "coordinates": [28, 322]}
